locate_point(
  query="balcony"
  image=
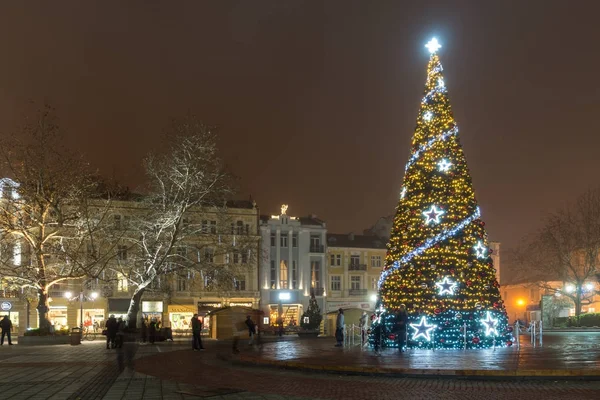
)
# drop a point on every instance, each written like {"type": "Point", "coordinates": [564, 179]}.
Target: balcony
{"type": "Point", "coordinates": [318, 291]}
{"type": "Point", "coordinates": [357, 292]}
{"type": "Point", "coordinates": [317, 248]}
{"type": "Point", "coordinates": [357, 267]}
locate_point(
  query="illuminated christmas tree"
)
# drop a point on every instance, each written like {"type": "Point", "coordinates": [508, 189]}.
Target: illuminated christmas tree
{"type": "Point", "coordinates": [438, 262]}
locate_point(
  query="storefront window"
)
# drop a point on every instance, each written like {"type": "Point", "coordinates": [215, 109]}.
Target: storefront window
{"type": "Point", "coordinates": [58, 316]}
{"type": "Point", "coordinates": [289, 314]}
{"type": "Point", "coordinates": [180, 320]}
{"type": "Point", "coordinates": [93, 318]}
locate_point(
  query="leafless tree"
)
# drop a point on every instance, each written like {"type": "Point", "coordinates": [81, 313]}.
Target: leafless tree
{"type": "Point", "coordinates": [566, 250]}
{"type": "Point", "coordinates": [170, 235]}
{"type": "Point", "coordinates": [51, 214]}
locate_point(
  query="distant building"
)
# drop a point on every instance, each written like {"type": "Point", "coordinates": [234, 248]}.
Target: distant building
{"type": "Point", "coordinates": [292, 265]}
{"type": "Point", "coordinates": [382, 228]}
{"type": "Point", "coordinates": [355, 264]}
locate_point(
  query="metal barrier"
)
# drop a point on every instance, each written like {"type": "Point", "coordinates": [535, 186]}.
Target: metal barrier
{"type": "Point", "coordinates": [535, 329]}
{"type": "Point", "coordinates": [353, 336]}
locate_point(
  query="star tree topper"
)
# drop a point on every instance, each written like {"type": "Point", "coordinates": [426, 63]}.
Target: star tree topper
{"type": "Point", "coordinates": [433, 215]}
{"type": "Point", "coordinates": [433, 45]}
{"type": "Point", "coordinates": [490, 325]}
{"type": "Point", "coordinates": [446, 287]}
{"type": "Point", "coordinates": [444, 165]}
{"type": "Point", "coordinates": [422, 329]}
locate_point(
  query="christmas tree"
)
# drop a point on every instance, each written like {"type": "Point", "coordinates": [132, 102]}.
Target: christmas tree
{"type": "Point", "coordinates": [438, 262]}
{"type": "Point", "coordinates": [313, 312]}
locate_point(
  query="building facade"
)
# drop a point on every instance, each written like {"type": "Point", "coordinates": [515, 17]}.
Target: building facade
{"type": "Point", "coordinates": [292, 266]}
{"type": "Point", "coordinates": [355, 263]}
{"type": "Point", "coordinates": [172, 299]}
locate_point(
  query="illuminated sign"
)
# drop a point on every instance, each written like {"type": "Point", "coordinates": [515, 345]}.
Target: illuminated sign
{"type": "Point", "coordinates": [285, 296]}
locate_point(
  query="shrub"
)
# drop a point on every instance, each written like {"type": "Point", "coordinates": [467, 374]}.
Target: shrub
{"type": "Point", "coordinates": [46, 332]}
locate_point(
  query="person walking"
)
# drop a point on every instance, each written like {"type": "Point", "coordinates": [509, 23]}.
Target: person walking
{"type": "Point", "coordinates": [111, 331]}
{"type": "Point", "coordinates": [362, 323]}
{"type": "Point", "coordinates": [339, 328]}
{"type": "Point", "coordinates": [143, 330]}
{"type": "Point", "coordinates": [152, 331]}
{"type": "Point", "coordinates": [120, 336]}
{"type": "Point", "coordinates": [196, 330]}
{"type": "Point", "coordinates": [251, 329]}
{"type": "Point", "coordinates": [6, 326]}
{"type": "Point", "coordinates": [400, 327]}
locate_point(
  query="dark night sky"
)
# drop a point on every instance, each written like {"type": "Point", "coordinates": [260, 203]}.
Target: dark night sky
{"type": "Point", "coordinates": [317, 103]}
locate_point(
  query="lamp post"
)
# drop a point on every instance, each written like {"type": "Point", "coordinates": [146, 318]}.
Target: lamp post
{"type": "Point", "coordinates": [81, 296]}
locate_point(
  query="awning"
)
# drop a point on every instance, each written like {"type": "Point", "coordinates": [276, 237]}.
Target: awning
{"type": "Point", "coordinates": [118, 305]}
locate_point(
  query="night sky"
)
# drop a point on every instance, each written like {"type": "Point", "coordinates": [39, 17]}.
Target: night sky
{"type": "Point", "coordinates": [316, 104]}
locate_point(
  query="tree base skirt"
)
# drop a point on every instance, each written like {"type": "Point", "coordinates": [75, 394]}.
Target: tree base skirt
{"type": "Point", "coordinates": [308, 334]}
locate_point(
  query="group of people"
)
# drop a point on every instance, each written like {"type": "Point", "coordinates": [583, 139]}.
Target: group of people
{"type": "Point", "coordinates": [398, 331]}
{"type": "Point", "coordinates": [115, 332]}
{"type": "Point", "coordinates": [149, 330]}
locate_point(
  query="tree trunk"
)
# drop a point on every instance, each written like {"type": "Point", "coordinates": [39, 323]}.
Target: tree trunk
{"type": "Point", "coordinates": [134, 307]}
{"type": "Point", "coordinates": [43, 308]}
{"type": "Point", "coordinates": [578, 305]}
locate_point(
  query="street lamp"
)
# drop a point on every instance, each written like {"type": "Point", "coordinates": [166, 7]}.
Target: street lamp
{"type": "Point", "coordinates": [81, 297]}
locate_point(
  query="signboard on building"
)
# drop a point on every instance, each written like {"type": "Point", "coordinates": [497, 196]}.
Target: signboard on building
{"type": "Point", "coordinates": [234, 304]}
{"type": "Point", "coordinates": [152, 306]}
{"type": "Point", "coordinates": [6, 306]}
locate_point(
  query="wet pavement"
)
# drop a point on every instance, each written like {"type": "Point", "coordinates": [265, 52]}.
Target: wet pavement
{"type": "Point", "coordinates": [173, 371]}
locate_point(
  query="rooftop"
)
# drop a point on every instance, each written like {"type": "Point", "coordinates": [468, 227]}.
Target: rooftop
{"type": "Point", "coordinates": [357, 241]}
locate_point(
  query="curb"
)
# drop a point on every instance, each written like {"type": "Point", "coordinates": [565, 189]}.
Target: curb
{"type": "Point", "coordinates": [591, 374]}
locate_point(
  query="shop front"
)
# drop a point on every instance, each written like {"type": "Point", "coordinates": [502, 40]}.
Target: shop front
{"type": "Point", "coordinates": [58, 316]}
{"type": "Point", "coordinates": [118, 307]}
{"type": "Point", "coordinates": [204, 310]}
{"type": "Point", "coordinates": [152, 310]}
{"type": "Point", "coordinates": [92, 318]}
{"type": "Point", "coordinates": [180, 317]}
{"type": "Point", "coordinates": [284, 306]}
{"type": "Point", "coordinates": [11, 308]}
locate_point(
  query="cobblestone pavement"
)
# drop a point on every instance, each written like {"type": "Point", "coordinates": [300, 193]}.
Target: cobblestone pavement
{"type": "Point", "coordinates": [173, 371]}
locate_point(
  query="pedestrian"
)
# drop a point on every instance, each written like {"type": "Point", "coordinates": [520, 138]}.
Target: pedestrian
{"type": "Point", "coordinates": [251, 329]}
{"type": "Point", "coordinates": [400, 323]}
{"type": "Point", "coordinates": [280, 326]}
{"type": "Point", "coordinates": [362, 323]}
{"type": "Point", "coordinates": [339, 328]}
{"type": "Point", "coordinates": [111, 331]}
{"type": "Point", "coordinates": [196, 330]}
{"type": "Point", "coordinates": [143, 330]}
{"type": "Point", "coordinates": [152, 331]}
{"type": "Point", "coordinates": [6, 326]}
{"type": "Point", "coordinates": [120, 336]}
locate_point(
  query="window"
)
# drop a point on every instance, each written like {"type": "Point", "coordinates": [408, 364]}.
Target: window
{"type": "Point", "coordinates": [336, 283]}
{"type": "Point", "coordinates": [336, 260]}
{"type": "Point", "coordinates": [209, 255]}
{"type": "Point", "coordinates": [226, 258]}
{"type": "Point", "coordinates": [374, 283]}
{"type": "Point", "coordinates": [182, 284]}
{"type": "Point", "coordinates": [245, 257]}
{"type": "Point", "coordinates": [239, 284]}
{"type": "Point", "coordinates": [247, 229]}
{"type": "Point", "coordinates": [273, 239]}
{"type": "Point", "coordinates": [284, 240]}
{"type": "Point", "coordinates": [294, 284]}
{"type": "Point", "coordinates": [236, 258]}
{"type": "Point", "coordinates": [273, 274]}
{"type": "Point", "coordinates": [295, 240]}
{"type": "Point", "coordinates": [117, 222]}
{"type": "Point", "coordinates": [232, 228]}
{"type": "Point", "coordinates": [375, 261]}
{"type": "Point", "coordinates": [283, 275]}
{"type": "Point", "coordinates": [354, 260]}
{"type": "Point", "coordinates": [240, 227]}
{"type": "Point", "coordinates": [208, 281]}
{"type": "Point", "coordinates": [204, 226]}
{"type": "Point", "coordinates": [213, 227]}
{"type": "Point", "coordinates": [126, 221]}
{"type": "Point", "coordinates": [122, 253]}
{"type": "Point", "coordinates": [315, 274]}
{"type": "Point", "coordinates": [355, 282]}
{"type": "Point", "coordinates": [122, 284]}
